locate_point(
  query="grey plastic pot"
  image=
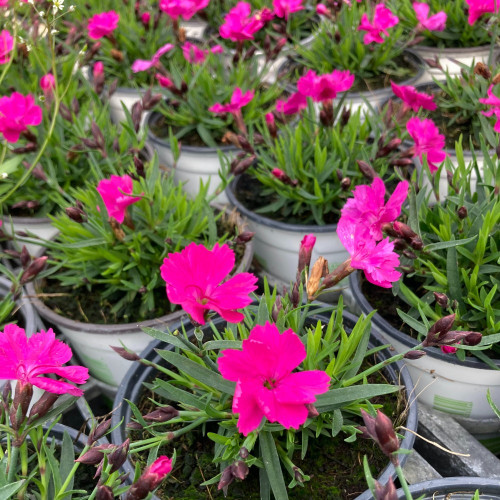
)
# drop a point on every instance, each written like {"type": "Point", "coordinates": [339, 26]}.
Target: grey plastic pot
{"type": "Point", "coordinates": [131, 389]}
{"type": "Point", "coordinates": [442, 381]}
{"type": "Point", "coordinates": [92, 342]}
{"type": "Point", "coordinates": [25, 310]}
{"type": "Point", "coordinates": [455, 488]}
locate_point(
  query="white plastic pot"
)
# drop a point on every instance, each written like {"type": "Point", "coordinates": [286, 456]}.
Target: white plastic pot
{"type": "Point", "coordinates": [277, 243]}
{"type": "Point", "coordinates": [195, 164]}
{"type": "Point", "coordinates": [128, 97]}
{"type": "Point", "coordinates": [449, 59]}
{"type": "Point", "coordinates": [441, 380]}
{"type": "Point", "coordinates": [41, 227]}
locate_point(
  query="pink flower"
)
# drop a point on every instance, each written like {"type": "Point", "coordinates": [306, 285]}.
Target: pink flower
{"type": "Point", "coordinates": [292, 105]}
{"type": "Point", "coordinates": [413, 99]}
{"type": "Point", "coordinates": [164, 81]}
{"type": "Point", "coordinates": [146, 18]}
{"type": "Point", "coordinates": [266, 385]}
{"type": "Point", "coordinates": [102, 24]}
{"type": "Point", "coordinates": [325, 87]}
{"type": "Point", "coordinates": [283, 8]}
{"type": "Point", "coordinates": [4, 3]}
{"type": "Point", "coordinates": [26, 359]}
{"type": "Point", "coordinates": [151, 477]}
{"type": "Point", "coordinates": [48, 84]}
{"type": "Point", "coordinates": [493, 101]}
{"type": "Point", "coordinates": [383, 19]}
{"type": "Point", "coordinates": [195, 280]}
{"type": "Point", "coordinates": [479, 7]}
{"type": "Point", "coordinates": [428, 141]}
{"type": "Point", "coordinates": [322, 10]}
{"type": "Point", "coordinates": [98, 69]}
{"type": "Point", "coordinates": [448, 349]}
{"type": "Point", "coordinates": [116, 194]}
{"type": "Point", "coordinates": [368, 208]}
{"type": "Point", "coordinates": [6, 44]}
{"type": "Point", "coordinates": [193, 53]}
{"type": "Point", "coordinates": [16, 113]}
{"type": "Point", "coordinates": [377, 260]}
{"type": "Point", "coordinates": [238, 100]}
{"type": "Point", "coordinates": [185, 8]}
{"type": "Point", "coordinates": [437, 22]}
{"type": "Point", "coordinates": [239, 24]}
{"type": "Point", "coordinates": [143, 65]}
{"type": "Point", "coordinates": [305, 251]}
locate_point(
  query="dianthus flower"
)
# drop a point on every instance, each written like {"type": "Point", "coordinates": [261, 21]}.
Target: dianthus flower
{"type": "Point", "coordinates": [16, 113]}
{"type": "Point", "coordinates": [101, 25]}
{"type": "Point", "coordinates": [325, 87]}
{"type": "Point", "coordinates": [185, 8]}
{"type": "Point", "coordinates": [383, 19]}
{"type": "Point", "coordinates": [116, 194]}
{"type": "Point", "coordinates": [6, 44]}
{"type": "Point", "coordinates": [238, 101]}
{"type": "Point", "coordinates": [412, 99]}
{"type": "Point", "coordinates": [493, 101]}
{"type": "Point", "coordinates": [143, 65]}
{"type": "Point", "coordinates": [477, 8]}
{"type": "Point", "coordinates": [428, 141]}
{"type": "Point", "coordinates": [437, 22]}
{"type": "Point", "coordinates": [283, 8]}
{"type": "Point", "coordinates": [239, 24]}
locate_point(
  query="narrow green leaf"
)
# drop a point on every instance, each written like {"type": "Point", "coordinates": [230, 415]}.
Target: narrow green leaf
{"type": "Point", "coordinates": [337, 397]}
{"type": "Point", "coordinates": [11, 489]}
{"type": "Point", "coordinates": [272, 465]}
{"type": "Point", "coordinates": [166, 337]}
{"type": "Point", "coordinates": [222, 344]}
{"type": "Point", "coordinates": [440, 245]}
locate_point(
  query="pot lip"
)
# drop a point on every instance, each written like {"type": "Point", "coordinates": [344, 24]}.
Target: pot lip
{"type": "Point", "coordinates": [110, 328]}
{"type": "Point", "coordinates": [200, 150]}
{"type": "Point", "coordinates": [404, 338]}
{"type": "Point", "coordinates": [485, 485]}
{"type": "Point", "coordinates": [266, 221]}
{"type": "Point", "coordinates": [25, 308]}
{"type": "Point", "coordinates": [26, 220]}
{"type": "Point", "coordinates": [415, 58]}
{"type": "Point", "coordinates": [131, 386]}
{"type": "Point", "coordinates": [452, 50]}
{"type": "Point", "coordinates": [449, 151]}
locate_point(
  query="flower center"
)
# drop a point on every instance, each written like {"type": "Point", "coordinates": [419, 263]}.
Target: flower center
{"type": "Point", "coordinates": [21, 373]}
{"type": "Point", "coordinates": [270, 384]}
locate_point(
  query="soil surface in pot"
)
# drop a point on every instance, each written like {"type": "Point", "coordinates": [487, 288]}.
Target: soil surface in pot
{"type": "Point", "coordinates": [80, 304]}
{"type": "Point", "coordinates": [248, 191]}
{"type": "Point", "coordinates": [335, 466]}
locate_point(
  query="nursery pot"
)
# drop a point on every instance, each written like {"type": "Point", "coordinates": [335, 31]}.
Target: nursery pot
{"type": "Point", "coordinates": [455, 488]}
{"type": "Point", "coordinates": [92, 341]}
{"type": "Point", "coordinates": [41, 227]}
{"type": "Point", "coordinates": [449, 59]}
{"type": "Point", "coordinates": [132, 387]}
{"type": "Point", "coordinates": [441, 380]}
{"type": "Point", "coordinates": [124, 96]}
{"type": "Point", "coordinates": [26, 314]}
{"type": "Point", "coordinates": [194, 165]}
{"type": "Point", "coordinates": [277, 243]}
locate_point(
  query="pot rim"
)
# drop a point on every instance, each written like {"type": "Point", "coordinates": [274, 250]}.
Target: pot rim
{"type": "Point", "coordinates": [200, 150]}
{"type": "Point", "coordinates": [453, 50]}
{"type": "Point", "coordinates": [405, 339]}
{"type": "Point", "coordinates": [266, 221]}
{"type": "Point", "coordinates": [457, 484]}
{"type": "Point", "coordinates": [25, 308]}
{"type": "Point", "coordinates": [131, 387]}
{"type": "Point", "coordinates": [26, 220]}
{"type": "Point", "coordinates": [117, 328]}
{"type": "Point", "coordinates": [413, 57]}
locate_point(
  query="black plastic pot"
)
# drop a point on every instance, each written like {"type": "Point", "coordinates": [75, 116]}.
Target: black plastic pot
{"type": "Point", "coordinates": [455, 488]}
{"type": "Point", "coordinates": [132, 387]}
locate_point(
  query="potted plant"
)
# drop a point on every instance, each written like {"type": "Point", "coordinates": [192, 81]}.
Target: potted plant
{"type": "Point", "coordinates": [467, 35]}
{"type": "Point", "coordinates": [449, 272]}
{"type": "Point", "coordinates": [461, 110]}
{"type": "Point", "coordinates": [208, 104]}
{"type": "Point", "coordinates": [296, 178]}
{"type": "Point", "coordinates": [111, 242]}
{"type": "Point", "coordinates": [365, 42]}
{"type": "Point", "coordinates": [197, 374]}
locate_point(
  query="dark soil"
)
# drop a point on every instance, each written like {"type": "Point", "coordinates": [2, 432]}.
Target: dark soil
{"type": "Point", "coordinates": [249, 194]}
{"type": "Point", "coordinates": [335, 466]}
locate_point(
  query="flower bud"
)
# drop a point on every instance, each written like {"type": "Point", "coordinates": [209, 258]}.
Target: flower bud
{"type": "Point", "coordinates": [323, 10]}
{"type": "Point", "coordinates": [441, 299]}
{"type": "Point", "coordinates": [345, 116]}
{"type": "Point", "coordinates": [366, 170]}
{"type": "Point", "coordinates": [76, 214]}
{"type": "Point", "coordinates": [24, 257]}
{"type": "Point", "coordinates": [33, 269]}
{"type": "Point", "coordinates": [244, 237]}
{"type": "Point", "coordinates": [65, 113]}
{"type": "Point", "coordinates": [7, 390]}
{"type": "Point", "coordinates": [243, 165]}
{"type": "Point", "coordinates": [149, 101]}
{"type": "Point", "coordinates": [345, 184]}
{"type": "Point", "coordinates": [126, 353]}
{"type": "Point", "coordinates": [462, 212]}
{"type": "Point", "coordinates": [145, 19]}
{"type": "Point", "coordinates": [226, 478]}
{"type": "Point", "coordinates": [438, 330]}
{"type": "Point", "coordinates": [473, 338]}
{"type": "Point", "coordinates": [409, 254]}
{"type": "Point", "coordinates": [312, 412]}
{"type": "Point", "coordinates": [298, 475]}
{"type": "Point", "coordinates": [387, 439]}
{"type": "Point", "coordinates": [99, 431]}
{"type": "Point", "coordinates": [283, 177]}
{"type": "Point", "coordinates": [48, 84]}
{"type": "Point", "coordinates": [162, 414]}
{"type": "Point", "coordinates": [119, 455]}
{"type": "Point", "coordinates": [244, 144]}
{"type": "Point", "coordinates": [243, 453]}
{"type": "Point", "coordinates": [150, 479]}
{"type": "Point", "coordinates": [387, 492]}
{"type": "Point", "coordinates": [416, 243]}
{"type": "Point", "coordinates": [104, 493]}
{"type": "Point", "coordinates": [116, 54]}
{"type": "Point", "coordinates": [271, 125]}
{"type": "Point", "coordinates": [305, 252]}
{"type": "Point", "coordinates": [95, 455]}
{"type": "Point", "coordinates": [43, 405]}
{"type": "Point", "coordinates": [277, 307]}
{"type": "Point", "coordinates": [414, 355]}
{"type": "Point", "coordinates": [20, 405]}
{"type": "Point", "coordinates": [319, 269]}
{"type": "Point", "coordinates": [240, 470]}
{"type": "Point", "coordinates": [482, 69]}
{"type": "Point", "coordinates": [295, 298]}
{"type": "Point", "coordinates": [399, 244]}
{"type": "Point", "coordinates": [137, 110]}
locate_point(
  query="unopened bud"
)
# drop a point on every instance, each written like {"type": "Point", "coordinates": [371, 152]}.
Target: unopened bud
{"type": "Point", "coordinates": [298, 475]}
{"type": "Point", "coordinates": [277, 307]}
{"type": "Point", "coordinates": [125, 353]}
{"type": "Point", "coordinates": [399, 244]}
{"type": "Point", "coordinates": [244, 237]}
{"type": "Point", "coordinates": [99, 431]}
{"type": "Point", "coordinates": [283, 177]}
{"type": "Point", "coordinates": [95, 454]}
{"type": "Point", "coordinates": [366, 170]}
{"type": "Point", "coordinates": [345, 184]}
{"type": "Point", "coordinates": [163, 414]}
{"type": "Point", "coordinates": [104, 493]}
{"type": "Point", "coordinates": [43, 405]}
{"type": "Point", "coordinates": [33, 269]}
{"type": "Point", "coordinates": [76, 214]}
{"type": "Point", "coordinates": [312, 412]}
{"type": "Point", "coordinates": [117, 55]}
{"type": "Point", "coordinates": [24, 257]}
{"type": "Point", "coordinates": [409, 254]}
{"type": "Point", "coordinates": [117, 458]}
{"type": "Point", "coordinates": [244, 144]}
{"type": "Point", "coordinates": [65, 113]}
{"type": "Point", "coordinates": [387, 439]}
{"type": "Point", "coordinates": [414, 355]}
{"type": "Point", "coordinates": [243, 165]}
{"type": "Point", "coordinates": [240, 470]}
{"type": "Point", "coordinates": [473, 338]}
{"type": "Point", "coordinates": [437, 331]}
{"type": "Point", "coordinates": [137, 110]}
{"type": "Point", "coordinates": [271, 125]}
{"type": "Point", "coordinates": [441, 299]}
{"type": "Point", "coordinates": [318, 271]}
{"type": "Point", "coordinates": [462, 212]}
{"type": "Point", "coordinates": [243, 453]}
{"type": "Point", "coordinates": [482, 69]}
{"type": "Point", "coordinates": [387, 492]}
{"type": "Point", "coordinates": [226, 478]}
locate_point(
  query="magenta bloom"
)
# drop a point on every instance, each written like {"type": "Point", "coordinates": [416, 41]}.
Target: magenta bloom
{"type": "Point", "coordinates": [239, 24]}
{"type": "Point", "coordinates": [185, 8]}
{"type": "Point", "coordinates": [283, 8]}
{"type": "Point", "coordinates": [151, 477]}
{"type": "Point", "coordinates": [412, 98]}
{"type": "Point", "coordinates": [26, 359]}
{"type": "Point", "coordinates": [437, 22]}
{"type": "Point", "coordinates": [116, 194]}
{"type": "Point", "coordinates": [428, 141]}
{"type": "Point", "coordinates": [325, 87]}
{"type": "Point", "coordinates": [383, 19]}
{"type": "Point", "coordinates": [16, 113]}
{"type": "Point", "coordinates": [164, 81]}
{"type": "Point", "coordinates": [448, 349]}
{"type": "Point", "coordinates": [102, 24]}
{"type": "Point", "coordinates": [292, 105]}
{"type": "Point", "coordinates": [479, 7]}
{"type": "Point", "coordinates": [193, 54]}
{"type": "Point", "coordinates": [368, 208]}
{"type": "Point", "coordinates": [48, 84]}
{"type": "Point", "coordinates": [377, 260]}
{"type": "Point", "coordinates": [266, 385]}
{"type": "Point", "coordinates": [238, 100]}
{"type": "Point", "coordinates": [6, 44]}
{"type": "Point", "coordinates": [493, 101]}
{"type": "Point", "coordinates": [98, 69]}
{"type": "Point", "coordinates": [143, 65]}
{"type": "Point", "coordinates": [195, 280]}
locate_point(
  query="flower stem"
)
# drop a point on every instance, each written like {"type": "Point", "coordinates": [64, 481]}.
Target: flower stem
{"type": "Point", "coordinates": [402, 480]}
{"type": "Point", "coordinates": [61, 493]}
{"type": "Point", "coordinates": [13, 464]}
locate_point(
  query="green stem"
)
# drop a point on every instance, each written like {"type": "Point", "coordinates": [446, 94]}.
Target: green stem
{"type": "Point", "coordinates": [62, 490]}
{"type": "Point", "coordinates": [402, 480]}
{"type": "Point", "coordinates": [13, 464]}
